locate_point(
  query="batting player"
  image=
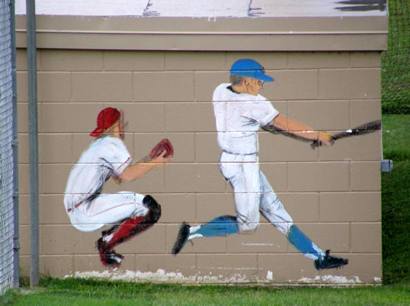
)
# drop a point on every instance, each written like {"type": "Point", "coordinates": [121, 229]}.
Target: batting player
{"type": "Point", "coordinates": [130, 213]}
{"type": "Point", "coordinates": [240, 111]}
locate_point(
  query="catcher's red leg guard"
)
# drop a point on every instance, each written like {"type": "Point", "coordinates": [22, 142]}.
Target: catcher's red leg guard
{"type": "Point", "coordinates": [133, 226]}
{"type": "Point", "coordinates": [108, 258]}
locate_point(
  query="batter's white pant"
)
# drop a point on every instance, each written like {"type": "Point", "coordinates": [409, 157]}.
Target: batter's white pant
{"type": "Point", "coordinates": [105, 209]}
{"type": "Point", "coordinates": [253, 193]}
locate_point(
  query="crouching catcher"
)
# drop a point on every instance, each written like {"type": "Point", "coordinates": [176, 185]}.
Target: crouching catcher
{"type": "Point", "coordinates": [128, 213]}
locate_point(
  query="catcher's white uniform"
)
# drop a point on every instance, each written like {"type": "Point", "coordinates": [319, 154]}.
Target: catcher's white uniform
{"type": "Point", "coordinates": [238, 119]}
{"type": "Point", "coordinates": [89, 209]}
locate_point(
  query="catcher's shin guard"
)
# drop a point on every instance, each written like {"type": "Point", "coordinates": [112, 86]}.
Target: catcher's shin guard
{"type": "Point", "coordinates": [133, 226]}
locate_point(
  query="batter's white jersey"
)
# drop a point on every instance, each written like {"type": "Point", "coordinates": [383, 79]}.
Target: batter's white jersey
{"type": "Point", "coordinates": [87, 208]}
{"type": "Point", "coordinates": [238, 119]}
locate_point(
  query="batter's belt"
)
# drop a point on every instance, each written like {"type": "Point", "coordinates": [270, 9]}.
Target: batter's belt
{"type": "Point", "coordinates": [244, 154]}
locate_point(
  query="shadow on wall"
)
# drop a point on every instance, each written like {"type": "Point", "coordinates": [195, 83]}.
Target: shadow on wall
{"type": "Point", "coordinates": [362, 5]}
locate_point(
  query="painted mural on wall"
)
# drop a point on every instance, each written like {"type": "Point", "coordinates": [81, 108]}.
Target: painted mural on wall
{"type": "Point", "coordinates": [126, 213]}
{"type": "Point", "coordinates": [240, 111]}
{"type": "Point", "coordinates": [207, 8]}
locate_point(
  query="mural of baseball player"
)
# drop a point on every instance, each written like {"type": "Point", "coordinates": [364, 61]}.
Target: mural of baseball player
{"type": "Point", "coordinates": [128, 213]}
{"type": "Point", "coordinates": [240, 111]}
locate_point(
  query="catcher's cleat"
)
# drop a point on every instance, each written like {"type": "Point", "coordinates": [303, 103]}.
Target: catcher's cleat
{"type": "Point", "coordinates": [182, 238]}
{"type": "Point", "coordinates": [108, 258]}
{"type": "Point", "coordinates": [330, 262]}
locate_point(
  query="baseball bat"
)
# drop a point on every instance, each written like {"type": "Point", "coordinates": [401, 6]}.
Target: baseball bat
{"type": "Point", "coordinates": [362, 129]}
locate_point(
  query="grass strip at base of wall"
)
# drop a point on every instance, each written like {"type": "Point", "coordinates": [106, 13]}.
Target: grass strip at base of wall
{"type": "Point", "coordinates": [69, 292]}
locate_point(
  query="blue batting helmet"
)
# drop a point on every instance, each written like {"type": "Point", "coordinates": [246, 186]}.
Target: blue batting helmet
{"type": "Point", "coordinates": [246, 67]}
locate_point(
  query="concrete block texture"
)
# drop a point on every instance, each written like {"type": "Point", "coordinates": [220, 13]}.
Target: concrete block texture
{"type": "Point", "coordinates": [64, 60]}
{"type": "Point", "coordinates": [228, 265]}
{"type": "Point", "coordinates": [22, 121]}
{"type": "Point", "coordinates": [362, 111]}
{"type": "Point", "coordinates": [205, 83]}
{"type": "Point", "coordinates": [366, 267]}
{"type": "Point", "coordinates": [292, 84]}
{"type": "Point", "coordinates": [316, 60]}
{"type": "Point", "coordinates": [176, 207]}
{"type": "Point", "coordinates": [22, 86]}
{"type": "Point", "coordinates": [350, 206]}
{"type": "Point", "coordinates": [321, 115]}
{"type": "Point", "coordinates": [183, 263]}
{"type": "Point", "coordinates": [60, 117]}
{"type": "Point", "coordinates": [332, 193]}
{"type": "Point", "coordinates": [206, 147]}
{"type": "Point", "coordinates": [365, 176]}
{"type": "Point", "coordinates": [366, 237]}
{"type": "Point", "coordinates": [355, 83]}
{"type": "Point", "coordinates": [133, 61]}
{"type": "Point", "coordinates": [193, 61]}
{"type": "Point", "coordinates": [21, 60]}
{"type": "Point", "coordinates": [211, 205]}
{"type": "Point", "coordinates": [193, 178]}
{"type": "Point", "coordinates": [87, 263]}
{"type": "Point", "coordinates": [57, 265]}
{"type": "Point", "coordinates": [302, 206]}
{"type": "Point", "coordinates": [102, 86]}
{"type": "Point", "coordinates": [54, 86]}
{"type": "Point", "coordinates": [266, 239]}
{"type": "Point", "coordinates": [319, 176]}
{"type": "Point", "coordinates": [283, 268]}
{"type": "Point", "coordinates": [277, 147]}
{"type": "Point", "coordinates": [365, 59]}
{"type": "Point", "coordinates": [163, 86]}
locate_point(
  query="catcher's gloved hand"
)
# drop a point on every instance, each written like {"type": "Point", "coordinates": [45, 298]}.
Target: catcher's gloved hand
{"type": "Point", "coordinates": [163, 146]}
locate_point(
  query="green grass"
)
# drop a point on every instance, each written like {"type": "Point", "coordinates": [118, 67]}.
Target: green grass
{"type": "Point", "coordinates": [396, 221]}
{"type": "Point", "coordinates": [396, 263]}
{"type": "Point", "coordinates": [396, 199]}
{"type": "Point", "coordinates": [72, 292]}
{"type": "Point", "coordinates": [396, 137]}
{"type": "Point", "coordinates": [396, 60]}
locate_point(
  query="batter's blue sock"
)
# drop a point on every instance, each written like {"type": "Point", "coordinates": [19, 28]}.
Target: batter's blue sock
{"type": "Point", "coordinates": [220, 226]}
{"type": "Point", "coordinates": [303, 244]}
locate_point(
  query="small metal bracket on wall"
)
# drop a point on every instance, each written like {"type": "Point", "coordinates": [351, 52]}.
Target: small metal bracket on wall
{"type": "Point", "coordinates": [386, 165]}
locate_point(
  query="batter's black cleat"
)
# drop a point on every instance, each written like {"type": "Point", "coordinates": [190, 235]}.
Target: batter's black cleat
{"type": "Point", "coordinates": [330, 262]}
{"type": "Point", "coordinates": [108, 258]}
{"type": "Point", "coordinates": [182, 238]}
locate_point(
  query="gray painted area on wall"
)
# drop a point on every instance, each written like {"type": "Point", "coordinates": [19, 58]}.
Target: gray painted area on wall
{"type": "Point", "coordinates": [208, 8]}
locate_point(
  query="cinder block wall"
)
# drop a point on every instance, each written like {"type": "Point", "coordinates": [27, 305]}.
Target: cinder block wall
{"type": "Point", "coordinates": [332, 193]}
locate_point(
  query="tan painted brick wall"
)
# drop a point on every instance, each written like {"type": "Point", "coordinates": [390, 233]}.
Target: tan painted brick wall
{"type": "Point", "coordinates": [332, 193]}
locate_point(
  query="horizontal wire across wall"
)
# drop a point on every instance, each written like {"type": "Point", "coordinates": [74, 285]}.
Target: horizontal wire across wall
{"type": "Point", "coordinates": [6, 150]}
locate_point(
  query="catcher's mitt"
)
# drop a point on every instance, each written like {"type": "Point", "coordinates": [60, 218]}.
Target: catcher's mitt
{"type": "Point", "coordinates": [163, 146]}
